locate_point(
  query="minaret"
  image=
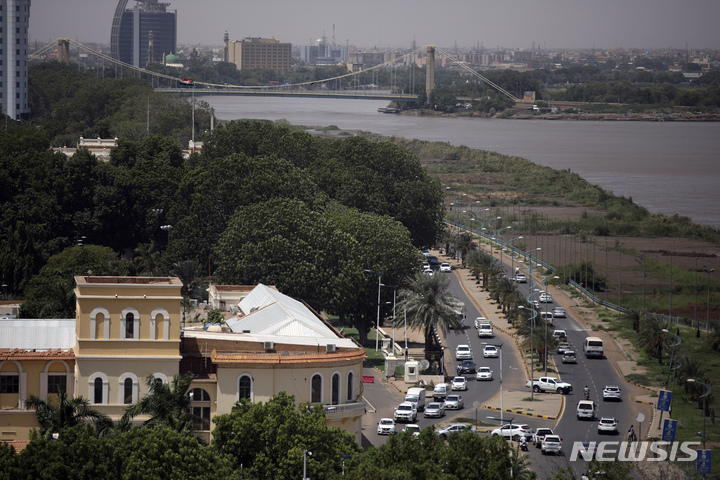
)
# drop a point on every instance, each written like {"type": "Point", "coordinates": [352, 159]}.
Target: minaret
{"type": "Point", "coordinates": [151, 48]}
{"type": "Point", "coordinates": [430, 70]}
{"type": "Point", "coordinates": [226, 51]}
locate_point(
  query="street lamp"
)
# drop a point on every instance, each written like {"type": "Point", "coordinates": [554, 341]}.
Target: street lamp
{"type": "Point", "coordinates": [545, 283]}
{"type": "Point", "coordinates": [377, 329]}
{"type": "Point", "coordinates": [707, 319]}
{"type": "Point", "coordinates": [672, 356]}
{"type": "Point", "coordinates": [533, 313]}
{"type": "Point", "coordinates": [512, 259]}
{"type": "Point", "coordinates": [499, 347]}
{"type": "Point", "coordinates": [305, 455]}
{"type": "Point", "coordinates": [394, 289]}
{"type": "Point", "coordinates": [707, 392]}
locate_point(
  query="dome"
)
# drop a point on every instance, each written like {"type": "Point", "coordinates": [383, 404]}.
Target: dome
{"type": "Point", "coordinates": [170, 58]}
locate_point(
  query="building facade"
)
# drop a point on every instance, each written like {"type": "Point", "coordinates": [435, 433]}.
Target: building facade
{"type": "Point", "coordinates": [130, 328]}
{"type": "Point", "coordinates": [254, 52]}
{"type": "Point", "coordinates": [14, 24]}
{"type": "Point", "coordinates": [130, 37]}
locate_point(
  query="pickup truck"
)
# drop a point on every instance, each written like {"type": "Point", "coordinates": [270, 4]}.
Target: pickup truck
{"type": "Point", "coordinates": [539, 434]}
{"type": "Point", "coordinates": [405, 412]}
{"type": "Point", "coordinates": [552, 384]}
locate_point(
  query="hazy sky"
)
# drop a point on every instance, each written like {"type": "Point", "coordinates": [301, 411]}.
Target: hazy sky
{"type": "Point", "coordinates": [604, 24]}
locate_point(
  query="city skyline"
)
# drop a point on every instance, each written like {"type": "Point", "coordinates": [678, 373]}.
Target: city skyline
{"type": "Point", "coordinates": [548, 24]}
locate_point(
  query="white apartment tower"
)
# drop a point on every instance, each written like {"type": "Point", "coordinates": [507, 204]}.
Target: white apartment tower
{"type": "Point", "coordinates": [14, 23]}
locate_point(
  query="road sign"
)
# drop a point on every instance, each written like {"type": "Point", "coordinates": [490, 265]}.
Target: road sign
{"type": "Point", "coordinates": [640, 417]}
{"type": "Point", "coordinates": [664, 401]}
{"type": "Point", "coordinates": [703, 461]}
{"type": "Point", "coordinates": [669, 427]}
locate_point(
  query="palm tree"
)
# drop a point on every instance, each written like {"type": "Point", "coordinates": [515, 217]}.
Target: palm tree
{"type": "Point", "coordinates": [147, 258]}
{"type": "Point", "coordinates": [652, 337]}
{"type": "Point", "coordinates": [634, 315]}
{"type": "Point", "coordinates": [188, 271]}
{"type": "Point", "coordinates": [485, 265]}
{"type": "Point", "coordinates": [431, 306]}
{"type": "Point", "coordinates": [505, 291]}
{"type": "Point", "coordinates": [56, 414]}
{"type": "Point", "coordinates": [464, 245]}
{"type": "Point", "coordinates": [166, 405]}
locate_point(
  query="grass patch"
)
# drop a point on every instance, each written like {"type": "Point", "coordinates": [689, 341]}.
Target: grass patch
{"type": "Point", "coordinates": [531, 399]}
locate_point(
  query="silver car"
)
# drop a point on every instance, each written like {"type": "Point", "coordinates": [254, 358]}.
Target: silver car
{"type": "Point", "coordinates": [454, 402]}
{"type": "Point", "coordinates": [435, 409]}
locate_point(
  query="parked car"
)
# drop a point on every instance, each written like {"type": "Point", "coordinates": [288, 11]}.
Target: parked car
{"type": "Point", "coordinates": [467, 366]}
{"type": "Point", "coordinates": [463, 352]}
{"type": "Point", "coordinates": [545, 298]}
{"type": "Point", "coordinates": [435, 409]}
{"type": "Point", "coordinates": [551, 444]}
{"type": "Point", "coordinates": [415, 429]}
{"type": "Point", "coordinates": [458, 383]}
{"type": "Point", "coordinates": [514, 431]}
{"type": "Point", "coordinates": [454, 402]}
{"type": "Point", "coordinates": [386, 426]}
{"type": "Point", "coordinates": [454, 428]}
{"type": "Point", "coordinates": [490, 351]}
{"type": "Point", "coordinates": [445, 267]}
{"type": "Point", "coordinates": [607, 425]}
{"type": "Point", "coordinates": [559, 312]}
{"type": "Point", "coordinates": [484, 373]}
{"type": "Point", "coordinates": [611, 392]}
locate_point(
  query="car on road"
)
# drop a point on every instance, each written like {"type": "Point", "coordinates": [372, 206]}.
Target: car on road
{"type": "Point", "coordinates": [440, 391]}
{"type": "Point", "coordinates": [549, 384]}
{"type": "Point", "coordinates": [434, 262]}
{"type": "Point", "coordinates": [551, 444]}
{"type": "Point", "coordinates": [454, 428]}
{"type": "Point", "coordinates": [386, 426]}
{"type": "Point", "coordinates": [415, 429]}
{"type": "Point", "coordinates": [490, 351]}
{"type": "Point", "coordinates": [569, 357]}
{"type": "Point", "coordinates": [563, 347]}
{"type": "Point", "coordinates": [454, 402]}
{"type": "Point", "coordinates": [611, 392]}
{"type": "Point", "coordinates": [467, 366]}
{"type": "Point", "coordinates": [545, 298]}
{"type": "Point", "coordinates": [514, 431]}
{"type": "Point", "coordinates": [536, 304]}
{"type": "Point", "coordinates": [484, 373]}
{"type": "Point", "coordinates": [607, 425]}
{"type": "Point", "coordinates": [445, 267]}
{"type": "Point", "coordinates": [428, 271]}
{"type": "Point", "coordinates": [558, 312]}
{"type": "Point", "coordinates": [520, 278]}
{"type": "Point", "coordinates": [485, 330]}
{"type": "Point", "coordinates": [463, 352]}
{"type": "Point", "coordinates": [480, 321]}
{"type": "Point", "coordinates": [585, 409]}
{"type": "Point", "coordinates": [435, 409]}
{"type": "Point", "coordinates": [539, 434]}
{"type": "Point", "coordinates": [458, 383]}
{"type": "Point", "coordinates": [405, 412]}
{"type": "Point", "coordinates": [561, 335]}
{"type": "Point", "coordinates": [426, 253]}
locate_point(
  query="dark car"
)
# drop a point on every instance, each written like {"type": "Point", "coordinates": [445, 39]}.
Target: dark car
{"type": "Point", "coordinates": [467, 366]}
{"type": "Point", "coordinates": [434, 262]}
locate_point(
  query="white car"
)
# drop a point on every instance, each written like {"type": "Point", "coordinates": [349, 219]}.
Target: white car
{"type": "Point", "coordinates": [607, 425]}
{"type": "Point", "coordinates": [490, 351]}
{"type": "Point", "coordinates": [454, 402]}
{"type": "Point", "coordinates": [484, 373]}
{"type": "Point", "coordinates": [458, 383]}
{"type": "Point", "coordinates": [463, 352]}
{"type": "Point", "coordinates": [386, 426]}
{"type": "Point", "coordinates": [514, 431]}
{"type": "Point", "coordinates": [558, 312]}
{"type": "Point", "coordinates": [520, 278]}
{"type": "Point", "coordinates": [445, 267]}
{"type": "Point", "coordinates": [415, 429]}
{"type": "Point", "coordinates": [435, 409]}
{"type": "Point", "coordinates": [454, 428]}
{"type": "Point", "coordinates": [405, 412]}
{"type": "Point", "coordinates": [545, 298]}
{"type": "Point", "coordinates": [428, 271]}
{"type": "Point", "coordinates": [551, 444]}
{"type": "Point", "coordinates": [611, 392]}
{"type": "Point", "coordinates": [479, 321]}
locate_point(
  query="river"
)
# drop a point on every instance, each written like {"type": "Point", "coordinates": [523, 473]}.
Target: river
{"type": "Point", "coordinates": [667, 167]}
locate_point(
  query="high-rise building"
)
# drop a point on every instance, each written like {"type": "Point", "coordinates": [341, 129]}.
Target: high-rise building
{"type": "Point", "coordinates": [14, 22]}
{"type": "Point", "coordinates": [131, 28]}
{"type": "Point", "coordinates": [323, 54]}
{"type": "Point", "coordinates": [254, 52]}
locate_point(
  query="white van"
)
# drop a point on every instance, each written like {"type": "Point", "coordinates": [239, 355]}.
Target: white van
{"type": "Point", "coordinates": [547, 317]}
{"type": "Point", "coordinates": [440, 392]}
{"type": "Point", "coordinates": [593, 347]}
{"type": "Point", "coordinates": [585, 409]}
{"type": "Point", "coordinates": [416, 396]}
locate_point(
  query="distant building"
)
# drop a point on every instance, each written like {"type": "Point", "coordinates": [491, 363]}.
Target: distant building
{"type": "Point", "coordinates": [14, 23]}
{"type": "Point", "coordinates": [130, 38]}
{"type": "Point", "coordinates": [254, 52]}
{"type": "Point", "coordinates": [323, 54]}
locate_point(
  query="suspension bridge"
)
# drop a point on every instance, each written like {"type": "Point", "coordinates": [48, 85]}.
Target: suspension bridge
{"type": "Point", "coordinates": [346, 86]}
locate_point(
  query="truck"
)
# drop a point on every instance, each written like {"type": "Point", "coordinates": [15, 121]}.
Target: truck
{"type": "Point", "coordinates": [416, 396]}
{"type": "Point", "coordinates": [484, 328]}
{"type": "Point", "coordinates": [552, 384]}
{"type": "Point", "coordinates": [539, 434]}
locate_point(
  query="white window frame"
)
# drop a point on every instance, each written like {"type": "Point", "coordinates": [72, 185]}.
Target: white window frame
{"type": "Point", "coordinates": [105, 388]}
{"type": "Point", "coordinates": [136, 324]}
{"type": "Point", "coordinates": [135, 388]}
{"type": "Point", "coordinates": [106, 323]}
{"type": "Point", "coordinates": [252, 387]}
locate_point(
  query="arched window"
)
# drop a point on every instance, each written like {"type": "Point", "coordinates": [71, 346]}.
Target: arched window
{"type": "Point", "coordinates": [350, 387]}
{"type": "Point", "coordinates": [130, 325]}
{"type": "Point", "coordinates": [200, 407]}
{"type": "Point", "coordinates": [127, 391]}
{"type": "Point", "coordinates": [98, 390]}
{"type": "Point", "coordinates": [245, 387]}
{"type": "Point", "coordinates": [316, 389]}
{"type": "Point", "coordinates": [335, 389]}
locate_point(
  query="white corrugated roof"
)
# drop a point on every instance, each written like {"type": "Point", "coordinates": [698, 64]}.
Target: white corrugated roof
{"type": "Point", "coordinates": [38, 334]}
{"type": "Point", "coordinates": [269, 312]}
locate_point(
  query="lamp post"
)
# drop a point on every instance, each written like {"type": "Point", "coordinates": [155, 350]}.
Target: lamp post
{"type": "Point", "coordinates": [672, 356]}
{"type": "Point", "coordinates": [305, 455]}
{"type": "Point", "coordinates": [707, 392]}
{"type": "Point", "coordinates": [377, 329]}
{"type": "Point", "coordinates": [707, 318]}
{"type": "Point", "coordinates": [499, 347]}
{"type": "Point", "coordinates": [512, 259]}
{"type": "Point", "coordinates": [394, 289]}
{"type": "Point", "coordinates": [533, 313]}
{"type": "Point", "coordinates": [545, 283]}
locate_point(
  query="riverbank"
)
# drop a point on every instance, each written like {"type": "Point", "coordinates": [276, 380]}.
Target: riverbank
{"type": "Point", "coordinates": [580, 116]}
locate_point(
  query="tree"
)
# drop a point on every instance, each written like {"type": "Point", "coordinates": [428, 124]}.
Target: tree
{"type": "Point", "coordinates": [482, 263]}
{"type": "Point", "coordinates": [652, 337]}
{"type": "Point", "coordinates": [167, 405]}
{"type": "Point", "coordinates": [431, 306]}
{"type": "Point", "coordinates": [267, 440]}
{"type": "Point", "coordinates": [465, 244]}
{"type": "Point", "coordinates": [60, 412]}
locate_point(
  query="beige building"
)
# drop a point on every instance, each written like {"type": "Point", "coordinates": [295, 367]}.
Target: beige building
{"type": "Point", "coordinates": [254, 52]}
{"type": "Point", "coordinates": [127, 328]}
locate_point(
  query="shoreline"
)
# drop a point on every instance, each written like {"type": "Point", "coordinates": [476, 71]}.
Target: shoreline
{"type": "Point", "coordinates": [581, 116]}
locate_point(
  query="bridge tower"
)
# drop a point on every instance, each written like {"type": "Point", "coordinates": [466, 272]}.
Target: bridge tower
{"type": "Point", "coordinates": [64, 50]}
{"type": "Point", "coordinates": [430, 70]}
